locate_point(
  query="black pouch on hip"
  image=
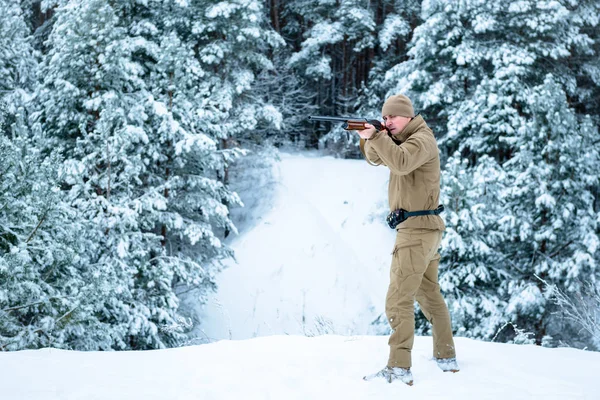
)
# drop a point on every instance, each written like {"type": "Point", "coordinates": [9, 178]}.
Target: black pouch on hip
{"type": "Point", "coordinates": [395, 217]}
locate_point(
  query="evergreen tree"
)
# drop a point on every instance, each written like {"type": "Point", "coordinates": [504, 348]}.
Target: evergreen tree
{"type": "Point", "coordinates": [552, 228]}
{"type": "Point", "coordinates": [18, 61]}
{"type": "Point", "coordinates": [41, 283]}
{"type": "Point", "coordinates": [472, 248]}
{"type": "Point", "coordinates": [232, 42]}
{"type": "Point", "coordinates": [209, 57]}
{"type": "Point", "coordinates": [142, 99]}
{"type": "Point", "coordinates": [95, 104]}
{"type": "Point", "coordinates": [38, 283]}
{"type": "Point", "coordinates": [476, 72]}
{"type": "Point", "coordinates": [337, 39]}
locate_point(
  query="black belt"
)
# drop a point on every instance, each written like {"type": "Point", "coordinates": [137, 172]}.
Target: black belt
{"type": "Point", "coordinates": [398, 216]}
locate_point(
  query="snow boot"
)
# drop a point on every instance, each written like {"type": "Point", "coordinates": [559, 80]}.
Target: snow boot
{"type": "Point", "coordinates": [447, 364]}
{"type": "Point", "coordinates": [393, 374]}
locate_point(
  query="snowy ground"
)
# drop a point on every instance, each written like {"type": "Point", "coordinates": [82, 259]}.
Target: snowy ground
{"type": "Point", "coordinates": [296, 367]}
{"type": "Point", "coordinates": [314, 260]}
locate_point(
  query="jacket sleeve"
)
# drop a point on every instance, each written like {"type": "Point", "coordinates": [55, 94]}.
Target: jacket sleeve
{"type": "Point", "coordinates": [404, 158]}
{"type": "Point", "coordinates": [370, 152]}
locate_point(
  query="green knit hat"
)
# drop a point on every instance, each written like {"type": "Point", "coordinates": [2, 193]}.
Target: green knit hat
{"type": "Point", "coordinates": [398, 105]}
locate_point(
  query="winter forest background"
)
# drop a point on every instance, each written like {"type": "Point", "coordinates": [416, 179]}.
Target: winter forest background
{"type": "Point", "coordinates": [125, 123]}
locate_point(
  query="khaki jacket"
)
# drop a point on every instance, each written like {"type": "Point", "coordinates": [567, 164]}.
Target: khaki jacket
{"type": "Point", "coordinates": [414, 171]}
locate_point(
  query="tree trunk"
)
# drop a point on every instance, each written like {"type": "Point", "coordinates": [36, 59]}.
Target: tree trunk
{"type": "Point", "coordinates": [163, 230]}
{"type": "Point", "coordinates": [274, 11]}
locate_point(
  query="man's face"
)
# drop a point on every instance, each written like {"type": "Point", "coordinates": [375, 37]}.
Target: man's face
{"type": "Point", "coordinates": [395, 123]}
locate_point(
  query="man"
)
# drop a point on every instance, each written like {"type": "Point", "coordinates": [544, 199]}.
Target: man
{"type": "Point", "coordinates": [410, 151]}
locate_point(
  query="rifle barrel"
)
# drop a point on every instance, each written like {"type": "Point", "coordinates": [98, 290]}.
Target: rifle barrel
{"type": "Point", "coordinates": [333, 119]}
{"type": "Point", "coordinates": [350, 123]}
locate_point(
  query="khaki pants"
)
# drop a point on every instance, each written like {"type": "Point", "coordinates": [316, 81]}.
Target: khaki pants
{"type": "Point", "coordinates": [414, 275]}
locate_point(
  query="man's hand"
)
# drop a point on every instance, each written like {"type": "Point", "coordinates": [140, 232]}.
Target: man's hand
{"type": "Point", "coordinates": [367, 132]}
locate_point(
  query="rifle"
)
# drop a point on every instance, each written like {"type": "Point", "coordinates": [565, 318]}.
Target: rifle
{"type": "Point", "coordinates": [350, 123]}
{"type": "Point", "coordinates": [353, 124]}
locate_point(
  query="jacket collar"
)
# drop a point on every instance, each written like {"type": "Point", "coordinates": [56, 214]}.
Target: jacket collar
{"type": "Point", "coordinates": [409, 129]}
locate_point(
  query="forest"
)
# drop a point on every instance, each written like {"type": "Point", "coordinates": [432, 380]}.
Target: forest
{"type": "Point", "coordinates": [121, 119]}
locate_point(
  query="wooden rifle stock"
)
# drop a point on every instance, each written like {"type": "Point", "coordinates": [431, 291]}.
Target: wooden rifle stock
{"type": "Point", "coordinates": [352, 124]}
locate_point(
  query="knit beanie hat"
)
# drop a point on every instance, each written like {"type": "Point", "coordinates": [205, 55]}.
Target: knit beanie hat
{"type": "Point", "coordinates": [398, 105]}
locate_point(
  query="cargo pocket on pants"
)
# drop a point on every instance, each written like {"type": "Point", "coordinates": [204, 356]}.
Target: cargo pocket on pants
{"type": "Point", "coordinates": [405, 255]}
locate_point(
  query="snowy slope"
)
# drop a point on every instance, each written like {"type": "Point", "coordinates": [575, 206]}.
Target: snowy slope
{"type": "Point", "coordinates": [317, 262]}
{"type": "Point", "coordinates": [296, 367]}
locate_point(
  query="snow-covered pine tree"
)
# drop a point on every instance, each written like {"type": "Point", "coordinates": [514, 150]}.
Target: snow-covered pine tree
{"type": "Point", "coordinates": [18, 60]}
{"type": "Point", "coordinates": [191, 161]}
{"type": "Point", "coordinates": [210, 56]}
{"type": "Point", "coordinates": [552, 227]}
{"type": "Point", "coordinates": [395, 24]}
{"type": "Point", "coordinates": [470, 61]}
{"type": "Point", "coordinates": [337, 39]}
{"type": "Point", "coordinates": [40, 276]}
{"type": "Point", "coordinates": [436, 83]}
{"type": "Point", "coordinates": [93, 106]}
{"type": "Point", "coordinates": [232, 41]}
{"type": "Point", "coordinates": [40, 282]}
{"type": "Point", "coordinates": [346, 53]}
{"type": "Point", "coordinates": [474, 70]}
{"type": "Point", "coordinates": [472, 247]}
{"type": "Point", "coordinates": [142, 98]}
{"type": "Point", "coordinates": [431, 76]}
{"type": "Point", "coordinates": [290, 96]}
